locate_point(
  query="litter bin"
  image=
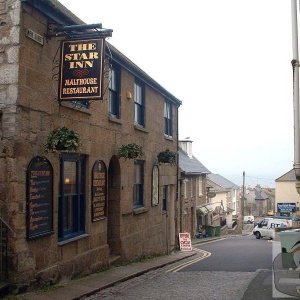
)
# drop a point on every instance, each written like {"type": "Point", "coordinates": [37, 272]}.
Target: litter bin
{"type": "Point", "coordinates": [211, 231]}
{"type": "Point", "coordinates": [218, 231]}
{"type": "Point", "coordinates": [290, 251]}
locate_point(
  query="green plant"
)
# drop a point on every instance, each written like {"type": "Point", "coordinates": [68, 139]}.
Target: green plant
{"type": "Point", "coordinates": [167, 156]}
{"type": "Point", "coordinates": [130, 151]}
{"type": "Point", "coordinates": [62, 139]}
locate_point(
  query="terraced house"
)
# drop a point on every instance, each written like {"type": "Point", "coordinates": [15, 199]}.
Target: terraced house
{"type": "Point", "coordinates": [81, 130]}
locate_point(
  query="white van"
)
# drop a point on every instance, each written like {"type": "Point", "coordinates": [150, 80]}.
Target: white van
{"type": "Point", "coordinates": [266, 227]}
{"type": "Point", "coordinates": [249, 219]}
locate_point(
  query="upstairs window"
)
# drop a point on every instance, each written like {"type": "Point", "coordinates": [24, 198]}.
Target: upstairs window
{"type": "Point", "coordinates": [139, 104]}
{"type": "Point", "coordinates": [114, 92]}
{"type": "Point", "coordinates": [81, 104]}
{"type": "Point", "coordinates": [138, 197]}
{"type": "Point", "coordinates": [168, 119]}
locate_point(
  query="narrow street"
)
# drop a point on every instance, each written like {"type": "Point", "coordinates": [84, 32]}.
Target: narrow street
{"type": "Point", "coordinates": [227, 270]}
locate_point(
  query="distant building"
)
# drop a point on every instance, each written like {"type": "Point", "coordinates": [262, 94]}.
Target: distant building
{"type": "Point", "coordinates": [257, 201]}
{"type": "Point", "coordinates": [193, 189]}
{"type": "Point", "coordinates": [227, 199]}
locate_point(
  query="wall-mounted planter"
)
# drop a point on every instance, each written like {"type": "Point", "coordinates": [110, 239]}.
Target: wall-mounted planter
{"type": "Point", "coordinates": [130, 151]}
{"type": "Point", "coordinates": [167, 156]}
{"type": "Point", "coordinates": [62, 139]}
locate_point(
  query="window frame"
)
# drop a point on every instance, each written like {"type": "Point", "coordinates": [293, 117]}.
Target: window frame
{"type": "Point", "coordinates": [114, 92]}
{"type": "Point", "coordinates": [139, 103]}
{"type": "Point", "coordinates": [79, 198]}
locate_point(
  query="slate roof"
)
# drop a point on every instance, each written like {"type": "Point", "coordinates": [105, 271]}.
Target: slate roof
{"type": "Point", "coordinates": [289, 176]}
{"type": "Point", "coordinates": [260, 194]}
{"type": "Point", "coordinates": [222, 181]}
{"type": "Point", "coordinates": [256, 193]}
{"type": "Point", "coordinates": [191, 166]}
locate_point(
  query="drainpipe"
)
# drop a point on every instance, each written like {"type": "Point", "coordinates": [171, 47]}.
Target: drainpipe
{"type": "Point", "coordinates": [295, 65]}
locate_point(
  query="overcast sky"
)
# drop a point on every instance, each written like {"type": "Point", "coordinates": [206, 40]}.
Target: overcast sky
{"type": "Point", "coordinates": [229, 64]}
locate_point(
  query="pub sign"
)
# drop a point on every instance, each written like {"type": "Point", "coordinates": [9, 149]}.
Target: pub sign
{"type": "Point", "coordinates": [81, 69]}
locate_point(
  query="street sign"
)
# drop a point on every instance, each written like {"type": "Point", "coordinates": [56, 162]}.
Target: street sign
{"type": "Point", "coordinates": [185, 242]}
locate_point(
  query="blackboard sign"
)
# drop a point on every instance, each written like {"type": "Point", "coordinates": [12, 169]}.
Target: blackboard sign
{"type": "Point", "coordinates": [99, 191]}
{"type": "Point", "coordinates": [39, 197]}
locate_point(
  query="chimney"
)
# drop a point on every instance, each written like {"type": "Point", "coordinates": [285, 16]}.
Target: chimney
{"type": "Point", "coordinates": [186, 146]}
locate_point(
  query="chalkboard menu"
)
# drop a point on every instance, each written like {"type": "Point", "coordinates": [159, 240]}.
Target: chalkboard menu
{"type": "Point", "coordinates": [99, 191]}
{"type": "Point", "coordinates": [39, 186]}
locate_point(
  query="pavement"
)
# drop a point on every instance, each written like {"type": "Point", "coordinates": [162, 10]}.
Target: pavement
{"type": "Point", "coordinates": [88, 285]}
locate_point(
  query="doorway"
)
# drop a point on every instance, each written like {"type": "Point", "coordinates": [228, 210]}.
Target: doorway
{"type": "Point", "coordinates": [114, 207]}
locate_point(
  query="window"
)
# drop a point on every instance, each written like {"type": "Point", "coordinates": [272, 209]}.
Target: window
{"type": "Point", "coordinates": [200, 186]}
{"type": "Point", "coordinates": [81, 103]}
{"type": "Point", "coordinates": [192, 187]}
{"type": "Point", "coordinates": [114, 92]}
{"type": "Point", "coordinates": [168, 118]}
{"type": "Point", "coordinates": [71, 214]}
{"type": "Point", "coordinates": [164, 198]}
{"type": "Point", "coordinates": [139, 104]}
{"type": "Point", "coordinates": [155, 185]}
{"type": "Point", "coordinates": [138, 198]}
{"type": "Point", "coordinates": [185, 182]}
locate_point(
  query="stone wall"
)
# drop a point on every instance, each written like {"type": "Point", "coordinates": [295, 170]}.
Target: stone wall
{"type": "Point", "coordinates": [9, 58]}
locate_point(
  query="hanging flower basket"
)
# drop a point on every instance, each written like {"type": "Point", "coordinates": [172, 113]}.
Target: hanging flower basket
{"type": "Point", "coordinates": [130, 151]}
{"type": "Point", "coordinates": [167, 156]}
{"type": "Point", "coordinates": [62, 139]}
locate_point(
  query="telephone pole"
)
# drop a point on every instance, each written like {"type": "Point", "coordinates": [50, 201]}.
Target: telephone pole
{"type": "Point", "coordinates": [243, 200]}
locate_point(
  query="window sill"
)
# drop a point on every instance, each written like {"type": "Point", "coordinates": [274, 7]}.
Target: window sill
{"type": "Point", "coordinates": [114, 120]}
{"type": "Point", "coordinates": [169, 138]}
{"type": "Point", "coordinates": [140, 210]}
{"type": "Point", "coordinates": [76, 238]}
{"type": "Point", "coordinates": [140, 128]}
{"type": "Point", "coordinates": [70, 105]}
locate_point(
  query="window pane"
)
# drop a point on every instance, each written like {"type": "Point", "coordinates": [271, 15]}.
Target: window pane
{"type": "Point", "coordinates": [69, 177]}
{"type": "Point", "coordinates": [168, 118]}
{"type": "Point", "coordinates": [139, 184]}
{"type": "Point", "coordinates": [165, 198]}
{"type": "Point", "coordinates": [113, 93]}
{"type": "Point", "coordinates": [68, 213]}
{"type": "Point", "coordinates": [112, 82]}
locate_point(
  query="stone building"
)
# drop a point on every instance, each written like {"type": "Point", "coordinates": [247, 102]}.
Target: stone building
{"type": "Point", "coordinates": [258, 202]}
{"type": "Point", "coordinates": [68, 214]}
{"type": "Point", "coordinates": [193, 189]}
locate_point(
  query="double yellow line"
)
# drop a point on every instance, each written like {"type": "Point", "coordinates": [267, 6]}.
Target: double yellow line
{"type": "Point", "coordinates": [204, 254]}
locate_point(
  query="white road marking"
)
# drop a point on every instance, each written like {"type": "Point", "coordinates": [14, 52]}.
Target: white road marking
{"type": "Point", "coordinates": [204, 253]}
